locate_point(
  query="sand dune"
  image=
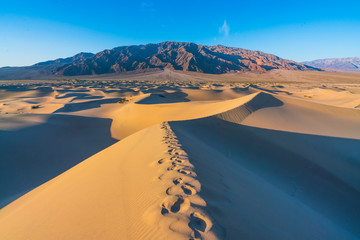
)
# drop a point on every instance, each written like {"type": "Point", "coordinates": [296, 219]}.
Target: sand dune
{"type": "Point", "coordinates": [194, 161]}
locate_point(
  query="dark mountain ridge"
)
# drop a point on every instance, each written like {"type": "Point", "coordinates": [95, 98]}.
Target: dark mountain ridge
{"type": "Point", "coordinates": [166, 55]}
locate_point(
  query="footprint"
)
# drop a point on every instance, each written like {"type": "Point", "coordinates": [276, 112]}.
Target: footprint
{"type": "Point", "coordinates": [170, 142]}
{"type": "Point", "coordinates": [177, 181]}
{"type": "Point", "coordinates": [183, 157]}
{"type": "Point", "coordinates": [174, 167]}
{"type": "Point", "coordinates": [177, 152]}
{"type": "Point", "coordinates": [179, 161]}
{"type": "Point", "coordinates": [199, 222]}
{"type": "Point", "coordinates": [186, 170]}
{"type": "Point", "coordinates": [163, 160]}
{"type": "Point", "coordinates": [185, 189]}
{"type": "Point", "coordinates": [183, 171]}
{"type": "Point", "coordinates": [169, 137]}
{"type": "Point", "coordinates": [171, 190]}
{"type": "Point", "coordinates": [188, 189]}
{"type": "Point", "coordinates": [174, 204]}
{"type": "Point", "coordinates": [180, 226]}
{"type": "Point", "coordinates": [172, 151]}
{"type": "Point", "coordinates": [173, 145]}
{"type": "Point", "coordinates": [175, 164]}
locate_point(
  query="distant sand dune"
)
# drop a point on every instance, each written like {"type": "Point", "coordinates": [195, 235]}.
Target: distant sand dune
{"type": "Point", "coordinates": [238, 114]}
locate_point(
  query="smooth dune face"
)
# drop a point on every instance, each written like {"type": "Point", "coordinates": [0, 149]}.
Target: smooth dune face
{"type": "Point", "coordinates": [179, 160]}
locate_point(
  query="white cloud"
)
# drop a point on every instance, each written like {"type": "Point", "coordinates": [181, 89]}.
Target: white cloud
{"type": "Point", "coordinates": [146, 7]}
{"type": "Point", "coordinates": [224, 29]}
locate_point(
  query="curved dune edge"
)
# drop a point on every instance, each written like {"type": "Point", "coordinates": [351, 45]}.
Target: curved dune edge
{"type": "Point", "coordinates": [259, 101]}
{"type": "Point", "coordinates": [130, 118]}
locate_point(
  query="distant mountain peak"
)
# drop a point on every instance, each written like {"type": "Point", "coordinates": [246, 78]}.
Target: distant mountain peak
{"type": "Point", "coordinates": [345, 64]}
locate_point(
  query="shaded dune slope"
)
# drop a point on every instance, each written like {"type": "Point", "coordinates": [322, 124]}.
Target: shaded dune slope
{"type": "Point", "coordinates": [250, 174]}
{"type": "Point", "coordinates": [238, 114]}
{"type": "Point", "coordinates": [307, 117]}
{"type": "Point", "coordinates": [61, 142]}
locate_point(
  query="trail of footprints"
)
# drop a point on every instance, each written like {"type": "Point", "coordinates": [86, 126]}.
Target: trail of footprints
{"type": "Point", "coordinates": [183, 202]}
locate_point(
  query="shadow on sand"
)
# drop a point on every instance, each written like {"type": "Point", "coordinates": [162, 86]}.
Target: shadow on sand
{"type": "Point", "coordinates": [164, 97]}
{"type": "Point", "coordinates": [34, 155]}
{"type": "Point", "coordinates": [307, 183]}
{"type": "Point", "coordinates": [74, 107]}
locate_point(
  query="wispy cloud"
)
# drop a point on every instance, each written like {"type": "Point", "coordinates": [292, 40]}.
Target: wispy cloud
{"type": "Point", "coordinates": [224, 29]}
{"type": "Point", "coordinates": [146, 7]}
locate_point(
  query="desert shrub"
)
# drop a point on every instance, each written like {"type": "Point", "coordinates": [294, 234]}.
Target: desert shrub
{"type": "Point", "coordinates": [122, 100]}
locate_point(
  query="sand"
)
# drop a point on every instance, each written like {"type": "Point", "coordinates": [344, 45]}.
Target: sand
{"type": "Point", "coordinates": [179, 160]}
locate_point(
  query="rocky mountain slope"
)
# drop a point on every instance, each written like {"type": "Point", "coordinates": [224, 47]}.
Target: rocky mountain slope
{"type": "Point", "coordinates": [166, 55]}
{"type": "Point", "coordinates": [178, 56]}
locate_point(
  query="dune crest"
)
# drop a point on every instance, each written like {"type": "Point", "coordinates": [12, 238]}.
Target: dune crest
{"type": "Point", "coordinates": [183, 203]}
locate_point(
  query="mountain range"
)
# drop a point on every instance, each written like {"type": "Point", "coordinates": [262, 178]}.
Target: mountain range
{"type": "Point", "coordinates": [166, 55]}
{"type": "Point", "coordinates": [345, 64]}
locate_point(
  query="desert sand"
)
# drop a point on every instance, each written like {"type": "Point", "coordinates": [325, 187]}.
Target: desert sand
{"type": "Point", "coordinates": [181, 156]}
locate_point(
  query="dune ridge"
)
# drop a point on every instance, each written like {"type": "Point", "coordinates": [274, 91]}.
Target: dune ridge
{"type": "Point", "coordinates": [183, 203]}
{"type": "Point", "coordinates": [124, 124]}
{"type": "Point", "coordinates": [260, 100]}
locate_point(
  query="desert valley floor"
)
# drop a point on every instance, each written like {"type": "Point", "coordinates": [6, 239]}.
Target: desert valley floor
{"type": "Point", "coordinates": [166, 157]}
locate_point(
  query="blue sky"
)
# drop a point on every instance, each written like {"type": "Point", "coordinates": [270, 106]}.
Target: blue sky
{"type": "Point", "coordinates": [33, 31]}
